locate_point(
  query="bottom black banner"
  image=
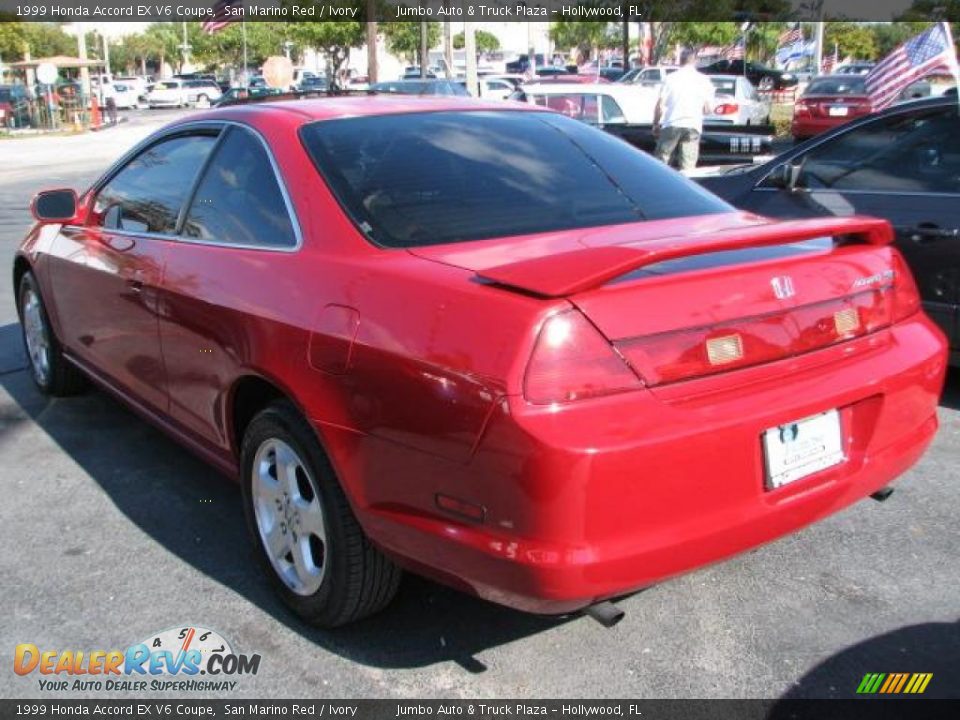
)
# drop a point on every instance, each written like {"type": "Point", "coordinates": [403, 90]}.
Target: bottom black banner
{"type": "Point", "coordinates": [869, 709]}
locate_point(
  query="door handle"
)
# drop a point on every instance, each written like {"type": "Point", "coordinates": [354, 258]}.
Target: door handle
{"type": "Point", "coordinates": [925, 233]}
{"type": "Point", "coordinates": [135, 286]}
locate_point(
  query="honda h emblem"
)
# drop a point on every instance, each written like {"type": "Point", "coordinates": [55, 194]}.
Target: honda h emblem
{"type": "Point", "coordinates": [783, 287]}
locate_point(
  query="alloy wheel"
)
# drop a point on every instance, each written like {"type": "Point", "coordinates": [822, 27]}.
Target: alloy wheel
{"type": "Point", "coordinates": [37, 337]}
{"type": "Point", "coordinates": [290, 517]}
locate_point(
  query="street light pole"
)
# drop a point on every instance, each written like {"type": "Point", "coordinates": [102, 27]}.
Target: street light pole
{"type": "Point", "coordinates": [106, 53]}
{"type": "Point", "coordinates": [424, 48]}
{"type": "Point", "coordinates": [470, 51]}
{"type": "Point", "coordinates": [82, 54]}
{"type": "Point", "coordinates": [185, 48]}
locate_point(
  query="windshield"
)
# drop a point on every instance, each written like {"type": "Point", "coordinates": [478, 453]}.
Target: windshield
{"type": "Point", "coordinates": [837, 86]}
{"type": "Point", "coordinates": [426, 178]}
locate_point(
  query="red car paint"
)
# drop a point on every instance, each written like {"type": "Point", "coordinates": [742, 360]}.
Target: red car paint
{"type": "Point", "coordinates": [411, 365]}
{"type": "Point", "coordinates": [811, 113]}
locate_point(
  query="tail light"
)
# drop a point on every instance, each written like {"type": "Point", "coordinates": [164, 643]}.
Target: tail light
{"type": "Point", "coordinates": [801, 108]}
{"type": "Point", "coordinates": [698, 352]}
{"type": "Point", "coordinates": [906, 296]}
{"type": "Point", "coordinates": [572, 361]}
{"type": "Point", "coordinates": [726, 109]}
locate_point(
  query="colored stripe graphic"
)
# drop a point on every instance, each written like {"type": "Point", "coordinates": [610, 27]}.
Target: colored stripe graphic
{"type": "Point", "coordinates": [894, 683]}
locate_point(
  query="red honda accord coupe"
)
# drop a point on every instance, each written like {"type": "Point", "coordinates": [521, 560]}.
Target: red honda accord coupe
{"type": "Point", "coordinates": [482, 342]}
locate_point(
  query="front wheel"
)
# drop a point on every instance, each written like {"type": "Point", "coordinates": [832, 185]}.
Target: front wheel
{"type": "Point", "coordinates": [306, 536]}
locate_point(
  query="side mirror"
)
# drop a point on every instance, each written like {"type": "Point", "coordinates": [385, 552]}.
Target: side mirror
{"type": "Point", "coordinates": [785, 177]}
{"type": "Point", "coordinates": [55, 206]}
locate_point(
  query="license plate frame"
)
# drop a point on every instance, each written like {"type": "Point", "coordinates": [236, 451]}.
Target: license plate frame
{"type": "Point", "coordinates": [838, 111]}
{"type": "Point", "coordinates": [798, 449]}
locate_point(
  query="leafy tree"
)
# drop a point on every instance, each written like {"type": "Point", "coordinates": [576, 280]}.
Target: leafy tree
{"type": "Point", "coordinates": [700, 34]}
{"type": "Point", "coordinates": [853, 39]}
{"type": "Point", "coordinates": [225, 47]}
{"type": "Point", "coordinates": [164, 41]}
{"type": "Point", "coordinates": [333, 38]}
{"type": "Point", "coordinates": [584, 36]}
{"type": "Point", "coordinates": [42, 39]}
{"type": "Point", "coordinates": [486, 41]}
{"type": "Point", "coordinates": [932, 10]}
{"type": "Point", "coordinates": [888, 36]}
{"type": "Point", "coordinates": [403, 38]}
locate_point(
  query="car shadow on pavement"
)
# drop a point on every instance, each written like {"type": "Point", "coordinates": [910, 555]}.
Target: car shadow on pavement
{"type": "Point", "coordinates": [925, 648]}
{"type": "Point", "coordinates": [196, 514]}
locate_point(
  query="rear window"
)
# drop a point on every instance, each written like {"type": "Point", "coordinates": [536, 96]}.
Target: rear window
{"type": "Point", "coordinates": [724, 86]}
{"type": "Point", "coordinates": [836, 86]}
{"type": "Point", "coordinates": [427, 178]}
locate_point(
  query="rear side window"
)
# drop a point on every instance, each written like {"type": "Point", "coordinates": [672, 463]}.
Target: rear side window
{"type": "Point", "coordinates": [428, 178]}
{"type": "Point", "coordinates": [239, 201]}
{"type": "Point", "coordinates": [147, 194]}
{"type": "Point", "coordinates": [837, 86]}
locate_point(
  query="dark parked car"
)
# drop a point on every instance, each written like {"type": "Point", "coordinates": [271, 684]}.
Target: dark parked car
{"type": "Point", "coordinates": [314, 83]}
{"type": "Point", "coordinates": [902, 164]}
{"type": "Point", "coordinates": [235, 96]}
{"type": "Point", "coordinates": [763, 78]}
{"type": "Point", "coordinates": [612, 73]}
{"type": "Point", "coordinates": [419, 87]}
{"type": "Point", "coordinates": [829, 102]}
{"type": "Point", "coordinates": [521, 64]}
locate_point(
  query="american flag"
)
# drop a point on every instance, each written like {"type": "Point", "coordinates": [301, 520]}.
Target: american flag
{"type": "Point", "coordinates": [221, 18]}
{"type": "Point", "coordinates": [735, 51]}
{"type": "Point", "coordinates": [789, 37]}
{"type": "Point", "coordinates": [930, 52]}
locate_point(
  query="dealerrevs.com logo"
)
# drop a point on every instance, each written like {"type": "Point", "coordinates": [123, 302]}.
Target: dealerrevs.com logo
{"type": "Point", "coordinates": [172, 660]}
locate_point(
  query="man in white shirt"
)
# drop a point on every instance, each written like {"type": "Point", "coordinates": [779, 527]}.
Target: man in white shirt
{"type": "Point", "coordinates": [685, 96]}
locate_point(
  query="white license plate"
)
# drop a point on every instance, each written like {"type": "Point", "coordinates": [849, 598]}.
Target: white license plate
{"type": "Point", "coordinates": [801, 448]}
{"type": "Point", "coordinates": [839, 111]}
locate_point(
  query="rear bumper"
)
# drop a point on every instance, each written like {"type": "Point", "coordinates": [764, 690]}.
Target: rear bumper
{"type": "Point", "coordinates": [612, 495]}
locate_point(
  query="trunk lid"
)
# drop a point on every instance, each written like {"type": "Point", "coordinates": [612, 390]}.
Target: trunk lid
{"type": "Point", "coordinates": [823, 106]}
{"type": "Point", "coordinates": [763, 289]}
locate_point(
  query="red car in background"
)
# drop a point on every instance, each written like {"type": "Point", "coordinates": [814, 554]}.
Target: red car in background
{"type": "Point", "coordinates": [483, 342]}
{"type": "Point", "coordinates": [827, 102]}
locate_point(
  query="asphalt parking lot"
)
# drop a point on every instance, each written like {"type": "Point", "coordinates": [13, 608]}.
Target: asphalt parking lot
{"type": "Point", "coordinates": [111, 532]}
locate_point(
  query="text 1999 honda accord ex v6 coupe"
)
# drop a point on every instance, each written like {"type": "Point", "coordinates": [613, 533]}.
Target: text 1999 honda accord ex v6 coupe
{"type": "Point", "coordinates": [484, 343]}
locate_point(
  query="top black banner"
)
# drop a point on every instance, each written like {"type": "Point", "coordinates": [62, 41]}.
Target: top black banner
{"type": "Point", "coordinates": [740, 11]}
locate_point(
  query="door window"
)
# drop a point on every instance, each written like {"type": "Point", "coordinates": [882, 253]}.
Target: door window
{"type": "Point", "coordinates": [239, 200]}
{"type": "Point", "coordinates": [147, 194]}
{"type": "Point", "coordinates": [915, 152]}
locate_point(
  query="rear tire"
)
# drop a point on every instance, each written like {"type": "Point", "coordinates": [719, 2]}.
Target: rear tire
{"type": "Point", "coordinates": [306, 536]}
{"type": "Point", "coordinates": [52, 373]}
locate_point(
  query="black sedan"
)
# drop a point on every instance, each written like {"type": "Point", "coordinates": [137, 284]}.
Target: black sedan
{"type": "Point", "coordinates": [763, 78]}
{"type": "Point", "coordinates": [902, 164]}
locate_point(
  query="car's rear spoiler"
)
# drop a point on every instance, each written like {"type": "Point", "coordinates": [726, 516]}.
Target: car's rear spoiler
{"type": "Point", "coordinates": [579, 270]}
